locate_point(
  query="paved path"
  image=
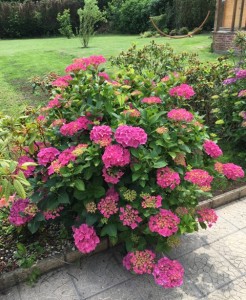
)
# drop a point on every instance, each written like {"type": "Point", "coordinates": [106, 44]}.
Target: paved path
{"type": "Point", "coordinates": [214, 262]}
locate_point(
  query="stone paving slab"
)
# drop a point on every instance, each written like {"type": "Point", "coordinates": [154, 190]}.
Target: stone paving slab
{"type": "Point", "coordinates": [144, 287]}
{"type": "Point", "coordinates": [97, 273]}
{"type": "Point", "coordinates": [233, 248]}
{"type": "Point", "coordinates": [207, 269]}
{"type": "Point", "coordinates": [234, 213]}
{"type": "Point", "coordinates": [235, 290]}
{"type": "Point", "coordinates": [56, 285]}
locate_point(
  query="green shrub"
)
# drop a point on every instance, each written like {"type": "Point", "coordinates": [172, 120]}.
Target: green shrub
{"type": "Point", "coordinates": [173, 32]}
{"type": "Point", "coordinates": [65, 23]}
{"type": "Point", "coordinates": [183, 31]}
{"type": "Point", "coordinates": [152, 58]}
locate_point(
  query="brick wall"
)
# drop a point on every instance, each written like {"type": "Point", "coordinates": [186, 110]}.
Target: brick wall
{"type": "Point", "coordinates": [222, 41]}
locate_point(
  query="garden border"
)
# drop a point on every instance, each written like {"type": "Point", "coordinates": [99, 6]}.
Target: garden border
{"type": "Point", "coordinates": [48, 264]}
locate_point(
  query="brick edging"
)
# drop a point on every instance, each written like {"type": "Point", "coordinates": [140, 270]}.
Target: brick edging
{"type": "Point", "coordinates": [48, 264]}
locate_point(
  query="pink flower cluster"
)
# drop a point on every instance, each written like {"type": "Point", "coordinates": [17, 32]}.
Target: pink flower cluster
{"type": "Point", "coordinates": [73, 127]}
{"type": "Point", "coordinates": [164, 223]}
{"type": "Point", "coordinates": [180, 114]}
{"type": "Point", "coordinates": [62, 81]}
{"type": "Point", "coordinates": [166, 177]}
{"type": "Point", "coordinates": [28, 170]}
{"type": "Point", "coordinates": [168, 273]}
{"type": "Point", "coordinates": [151, 100]}
{"type": "Point", "coordinates": [183, 90]}
{"type": "Point", "coordinates": [129, 216]}
{"type": "Point", "coordinates": [199, 177]}
{"type": "Point", "coordinates": [232, 171]}
{"type": "Point", "coordinates": [130, 136]}
{"type": "Point", "coordinates": [212, 149]}
{"type": "Point", "coordinates": [241, 74]}
{"type": "Point", "coordinates": [55, 102]}
{"type": "Point", "coordinates": [207, 215]}
{"type": "Point", "coordinates": [101, 135]}
{"type": "Point", "coordinates": [112, 176]}
{"type": "Point", "coordinates": [133, 112]}
{"type": "Point", "coordinates": [115, 155]}
{"type": "Point", "coordinates": [52, 214]}
{"type": "Point", "coordinates": [83, 63]}
{"type": "Point", "coordinates": [85, 238]}
{"type": "Point", "coordinates": [104, 75]}
{"type": "Point", "coordinates": [140, 262]}
{"type": "Point", "coordinates": [151, 201]}
{"type": "Point", "coordinates": [108, 206]}
{"type": "Point", "coordinates": [242, 93]}
{"type": "Point", "coordinates": [58, 122]}
{"type": "Point", "coordinates": [47, 155]}
{"type": "Point", "coordinates": [18, 207]}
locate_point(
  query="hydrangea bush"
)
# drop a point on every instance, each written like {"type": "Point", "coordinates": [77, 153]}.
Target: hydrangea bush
{"type": "Point", "coordinates": [122, 158]}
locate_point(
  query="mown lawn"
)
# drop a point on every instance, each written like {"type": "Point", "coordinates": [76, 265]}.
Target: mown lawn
{"type": "Point", "coordinates": [22, 59]}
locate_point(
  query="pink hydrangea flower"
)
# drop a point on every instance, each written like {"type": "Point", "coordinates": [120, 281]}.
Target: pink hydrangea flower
{"type": "Point", "coordinates": [180, 114]}
{"type": "Point", "coordinates": [167, 177]}
{"type": "Point", "coordinates": [151, 201]}
{"type": "Point", "coordinates": [129, 136]}
{"type": "Point", "coordinates": [73, 127]}
{"type": "Point", "coordinates": [83, 63]}
{"type": "Point", "coordinates": [168, 273]}
{"type": "Point", "coordinates": [207, 215]}
{"type": "Point", "coordinates": [27, 171]}
{"type": "Point", "coordinates": [41, 118]}
{"type": "Point", "coordinates": [183, 90]}
{"type": "Point", "coordinates": [53, 214]}
{"type": "Point", "coordinates": [151, 100]}
{"type": "Point", "coordinates": [101, 135]}
{"type": "Point", "coordinates": [55, 102]}
{"type": "Point", "coordinates": [165, 78]}
{"type": "Point", "coordinates": [85, 238]}
{"type": "Point", "coordinates": [164, 223]}
{"type": "Point", "coordinates": [115, 155]}
{"type": "Point", "coordinates": [67, 156]}
{"type": "Point", "coordinates": [47, 155]}
{"type": "Point", "coordinates": [212, 149]}
{"type": "Point", "coordinates": [58, 122]}
{"type": "Point", "coordinates": [199, 177]}
{"type": "Point", "coordinates": [54, 167]}
{"type": "Point", "coordinates": [129, 216]}
{"type": "Point", "coordinates": [17, 210]}
{"type": "Point", "coordinates": [62, 81]}
{"type": "Point", "coordinates": [242, 93]}
{"type": "Point", "coordinates": [232, 171]}
{"type": "Point", "coordinates": [133, 112]}
{"type": "Point", "coordinates": [104, 75]}
{"type": "Point", "coordinates": [241, 74]}
{"type": "Point", "coordinates": [112, 176]}
{"type": "Point", "coordinates": [108, 206]}
{"type": "Point", "coordinates": [140, 262]}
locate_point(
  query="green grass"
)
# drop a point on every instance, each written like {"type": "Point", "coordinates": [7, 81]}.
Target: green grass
{"type": "Point", "coordinates": [22, 59]}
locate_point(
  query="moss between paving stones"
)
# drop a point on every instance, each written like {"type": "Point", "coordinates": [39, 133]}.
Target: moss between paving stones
{"type": "Point", "coordinates": [48, 264]}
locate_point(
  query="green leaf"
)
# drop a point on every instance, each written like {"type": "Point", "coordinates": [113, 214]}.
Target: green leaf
{"type": "Point", "coordinates": [19, 189]}
{"type": "Point", "coordinates": [33, 226]}
{"type": "Point", "coordinates": [220, 122]}
{"type": "Point", "coordinates": [79, 184]}
{"type": "Point", "coordinates": [63, 198]}
{"type": "Point", "coordinates": [160, 164]}
{"type": "Point", "coordinates": [91, 219]}
{"type": "Point", "coordinates": [21, 249]}
{"type": "Point", "coordinates": [110, 230]}
{"type": "Point", "coordinates": [98, 191]}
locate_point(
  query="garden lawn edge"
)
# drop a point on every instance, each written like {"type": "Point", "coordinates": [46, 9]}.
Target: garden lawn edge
{"type": "Point", "coordinates": [10, 279]}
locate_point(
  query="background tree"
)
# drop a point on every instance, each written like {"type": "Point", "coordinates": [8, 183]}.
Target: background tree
{"type": "Point", "coordinates": [88, 17]}
{"type": "Point", "coordinates": [65, 23]}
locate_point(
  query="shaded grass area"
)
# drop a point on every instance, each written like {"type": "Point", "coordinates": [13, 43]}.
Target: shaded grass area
{"type": "Point", "coordinates": [22, 59]}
